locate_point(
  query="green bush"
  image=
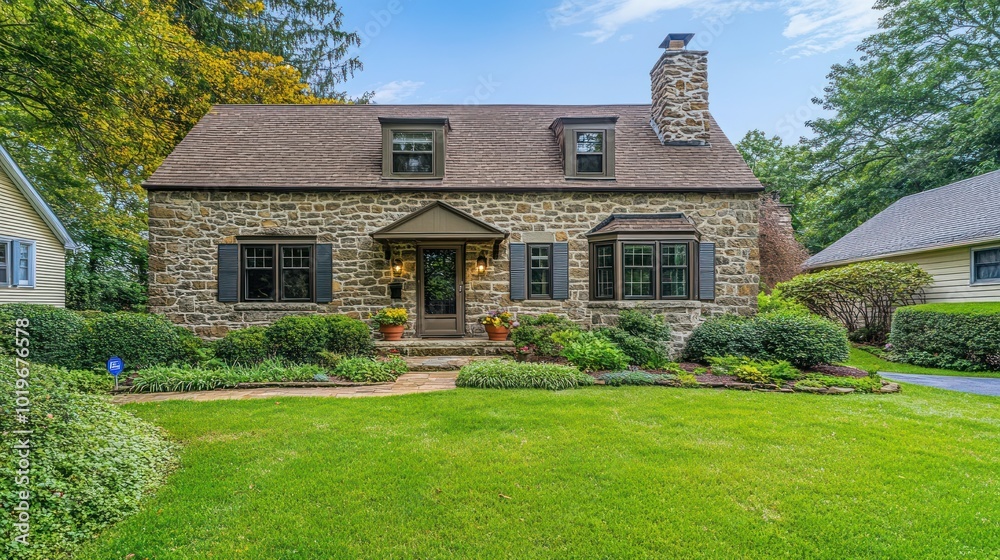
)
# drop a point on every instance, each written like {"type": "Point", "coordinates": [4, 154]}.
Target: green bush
{"type": "Point", "coordinates": [506, 374]}
{"type": "Point", "coordinates": [243, 346]}
{"type": "Point", "coordinates": [534, 334]}
{"type": "Point", "coordinates": [187, 378]}
{"type": "Point", "coordinates": [140, 339]}
{"type": "Point", "coordinates": [859, 384]}
{"type": "Point", "coordinates": [728, 335]}
{"type": "Point", "coordinates": [776, 301]}
{"type": "Point", "coordinates": [369, 370]}
{"type": "Point", "coordinates": [302, 338]}
{"type": "Point", "coordinates": [619, 378]}
{"type": "Point", "coordinates": [92, 463]}
{"type": "Point", "coordinates": [749, 370]}
{"type": "Point", "coordinates": [803, 340]}
{"type": "Point", "coordinates": [590, 352]}
{"type": "Point", "coordinates": [960, 336]}
{"type": "Point", "coordinates": [643, 337]}
{"type": "Point", "coordinates": [53, 332]}
{"type": "Point", "coordinates": [860, 296]}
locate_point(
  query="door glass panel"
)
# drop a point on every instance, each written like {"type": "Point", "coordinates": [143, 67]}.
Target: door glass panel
{"type": "Point", "coordinates": [440, 274]}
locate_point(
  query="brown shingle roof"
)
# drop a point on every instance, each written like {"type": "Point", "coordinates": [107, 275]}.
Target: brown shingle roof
{"type": "Point", "coordinates": [645, 223]}
{"type": "Point", "coordinates": [488, 146]}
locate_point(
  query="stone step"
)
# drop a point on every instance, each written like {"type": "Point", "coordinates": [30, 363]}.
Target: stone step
{"type": "Point", "coordinates": [440, 363]}
{"type": "Point", "coordinates": [424, 347]}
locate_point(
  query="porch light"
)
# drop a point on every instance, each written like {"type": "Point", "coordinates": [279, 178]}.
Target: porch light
{"type": "Point", "coordinates": [481, 264]}
{"type": "Point", "coordinates": [397, 265]}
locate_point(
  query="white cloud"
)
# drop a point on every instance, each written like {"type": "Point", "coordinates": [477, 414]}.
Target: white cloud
{"type": "Point", "coordinates": [396, 91]}
{"type": "Point", "coordinates": [814, 26]}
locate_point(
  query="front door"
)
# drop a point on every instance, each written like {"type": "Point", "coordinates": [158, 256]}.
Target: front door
{"type": "Point", "coordinates": [440, 301]}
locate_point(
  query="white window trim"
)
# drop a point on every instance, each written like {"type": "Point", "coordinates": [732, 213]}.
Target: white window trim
{"type": "Point", "coordinates": [973, 281]}
{"type": "Point", "coordinates": [13, 265]}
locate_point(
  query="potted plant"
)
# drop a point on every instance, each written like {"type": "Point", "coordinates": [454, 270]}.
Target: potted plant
{"type": "Point", "coordinates": [498, 324]}
{"type": "Point", "coordinates": [391, 321]}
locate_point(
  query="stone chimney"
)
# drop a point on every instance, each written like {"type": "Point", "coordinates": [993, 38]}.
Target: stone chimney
{"type": "Point", "coordinates": [680, 93]}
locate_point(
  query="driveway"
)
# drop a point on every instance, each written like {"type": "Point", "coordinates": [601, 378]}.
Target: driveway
{"type": "Point", "coordinates": [977, 385]}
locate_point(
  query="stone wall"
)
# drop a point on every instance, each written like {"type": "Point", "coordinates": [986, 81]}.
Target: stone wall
{"type": "Point", "coordinates": [185, 229]}
{"type": "Point", "coordinates": [679, 83]}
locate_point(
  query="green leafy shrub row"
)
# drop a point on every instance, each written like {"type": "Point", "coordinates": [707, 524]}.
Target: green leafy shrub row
{"type": "Point", "coordinates": [749, 370]}
{"type": "Point", "coordinates": [961, 336]}
{"type": "Point", "coordinates": [302, 338]}
{"type": "Point", "coordinates": [92, 463]}
{"type": "Point", "coordinates": [80, 341]}
{"type": "Point", "coordinates": [187, 378]}
{"type": "Point", "coordinates": [871, 384]}
{"type": "Point", "coordinates": [506, 374]}
{"type": "Point", "coordinates": [369, 370]}
{"type": "Point", "coordinates": [804, 340]}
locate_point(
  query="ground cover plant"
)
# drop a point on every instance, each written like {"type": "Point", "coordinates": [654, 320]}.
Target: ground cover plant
{"type": "Point", "coordinates": [370, 370]}
{"type": "Point", "coordinates": [187, 378]}
{"type": "Point", "coordinates": [643, 337]}
{"type": "Point", "coordinates": [506, 374]}
{"type": "Point", "coordinates": [633, 377]}
{"type": "Point", "coordinates": [630, 472]}
{"type": "Point", "coordinates": [590, 352]}
{"type": "Point", "coordinates": [534, 333]}
{"type": "Point", "coordinates": [958, 336]}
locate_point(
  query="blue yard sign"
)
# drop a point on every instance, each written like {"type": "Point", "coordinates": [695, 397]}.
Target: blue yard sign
{"type": "Point", "coordinates": [115, 366]}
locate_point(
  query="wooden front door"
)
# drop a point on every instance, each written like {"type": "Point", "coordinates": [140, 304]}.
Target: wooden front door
{"type": "Point", "coordinates": [440, 291]}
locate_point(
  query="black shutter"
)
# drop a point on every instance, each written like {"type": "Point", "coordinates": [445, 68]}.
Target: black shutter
{"type": "Point", "coordinates": [518, 274]}
{"type": "Point", "coordinates": [706, 271]}
{"type": "Point", "coordinates": [229, 273]}
{"type": "Point", "coordinates": [560, 271]}
{"type": "Point", "coordinates": [324, 273]}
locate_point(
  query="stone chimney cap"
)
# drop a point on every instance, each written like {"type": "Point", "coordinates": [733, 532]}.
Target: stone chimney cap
{"type": "Point", "coordinates": [676, 41]}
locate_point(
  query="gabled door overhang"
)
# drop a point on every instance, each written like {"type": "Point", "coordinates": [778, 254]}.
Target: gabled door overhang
{"type": "Point", "coordinates": [439, 222]}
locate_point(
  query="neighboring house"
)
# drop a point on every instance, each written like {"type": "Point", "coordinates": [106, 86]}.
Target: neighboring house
{"type": "Point", "coordinates": [33, 243]}
{"type": "Point", "coordinates": [454, 210]}
{"type": "Point", "coordinates": [952, 232]}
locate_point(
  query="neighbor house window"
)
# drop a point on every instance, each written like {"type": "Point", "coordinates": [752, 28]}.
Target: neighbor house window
{"type": "Point", "coordinates": [17, 263]}
{"type": "Point", "coordinates": [277, 272]}
{"type": "Point", "coordinates": [588, 145]}
{"type": "Point", "coordinates": [637, 270]}
{"type": "Point", "coordinates": [986, 265]}
{"type": "Point", "coordinates": [540, 271]}
{"type": "Point", "coordinates": [604, 272]}
{"type": "Point", "coordinates": [413, 148]}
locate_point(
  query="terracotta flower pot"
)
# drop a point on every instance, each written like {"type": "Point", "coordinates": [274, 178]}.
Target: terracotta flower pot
{"type": "Point", "coordinates": [497, 333]}
{"type": "Point", "coordinates": [391, 332]}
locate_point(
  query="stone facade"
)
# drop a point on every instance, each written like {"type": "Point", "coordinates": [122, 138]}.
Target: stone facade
{"type": "Point", "coordinates": [679, 83]}
{"type": "Point", "coordinates": [185, 229]}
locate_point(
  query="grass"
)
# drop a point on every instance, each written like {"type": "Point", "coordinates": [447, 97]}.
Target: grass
{"type": "Point", "coordinates": [988, 307]}
{"type": "Point", "coordinates": [626, 472]}
{"type": "Point", "coordinates": [868, 361]}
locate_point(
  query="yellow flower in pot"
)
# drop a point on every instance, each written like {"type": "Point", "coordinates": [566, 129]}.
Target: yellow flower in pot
{"type": "Point", "coordinates": [391, 321]}
{"type": "Point", "coordinates": [498, 324]}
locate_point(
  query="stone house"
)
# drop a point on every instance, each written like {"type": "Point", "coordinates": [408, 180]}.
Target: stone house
{"type": "Point", "coordinates": [454, 210]}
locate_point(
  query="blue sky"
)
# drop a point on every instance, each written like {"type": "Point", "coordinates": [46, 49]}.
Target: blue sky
{"type": "Point", "coordinates": [767, 59]}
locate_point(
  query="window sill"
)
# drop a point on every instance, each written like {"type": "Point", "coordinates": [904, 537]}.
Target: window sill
{"type": "Point", "coordinates": [984, 283]}
{"type": "Point", "coordinates": [274, 306]}
{"type": "Point", "coordinates": [586, 178]}
{"type": "Point", "coordinates": [642, 303]}
{"type": "Point", "coordinates": [418, 178]}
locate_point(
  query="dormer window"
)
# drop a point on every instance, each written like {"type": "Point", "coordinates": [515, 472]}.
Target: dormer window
{"type": "Point", "coordinates": [413, 148]}
{"type": "Point", "coordinates": [588, 145]}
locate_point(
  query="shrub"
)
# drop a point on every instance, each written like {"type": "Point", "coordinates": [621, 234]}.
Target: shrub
{"type": "Point", "coordinates": [728, 335]}
{"type": "Point", "coordinates": [803, 340]}
{"type": "Point", "coordinates": [92, 463]}
{"type": "Point", "coordinates": [54, 333]}
{"type": "Point", "coordinates": [749, 370]}
{"type": "Point", "coordinates": [862, 295]}
{"type": "Point", "coordinates": [244, 346]}
{"type": "Point", "coordinates": [506, 374]}
{"type": "Point", "coordinates": [535, 333]}
{"type": "Point", "coordinates": [962, 336]}
{"type": "Point", "coordinates": [361, 369]}
{"type": "Point", "coordinates": [301, 338]}
{"type": "Point", "coordinates": [776, 301]}
{"type": "Point", "coordinates": [859, 384]}
{"type": "Point", "coordinates": [187, 378]}
{"type": "Point", "coordinates": [590, 352]}
{"type": "Point", "coordinates": [641, 336]}
{"type": "Point", "coordinates": [618, 378]}
{"type": "Point", "coordinates": [140, 339]}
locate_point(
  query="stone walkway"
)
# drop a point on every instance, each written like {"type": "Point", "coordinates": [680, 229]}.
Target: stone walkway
{"type": "Point", "coordinates": [424, 382]}
{"type": "Point", "coordinates": [978, 385]}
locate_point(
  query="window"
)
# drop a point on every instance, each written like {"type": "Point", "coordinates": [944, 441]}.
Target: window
{"type": "Point", "coordinates": [986, 266]}
{"type": "Point", "coordinates": [674, 275]}
{"type": "Point", "coordinates": [540, 271]}
{"type": "Point", "coordinates": [637, 271]}
{"type": "Point", "coordinates": [604, 283]}
{"type": "Point", "coordinates": [588, 145]}
{"type": "Point", "coordinates": [413, 148]}
{"type": "Point", "coordinates": [277, 272]}
{"type": "Point", "coordinates": [17, 263]}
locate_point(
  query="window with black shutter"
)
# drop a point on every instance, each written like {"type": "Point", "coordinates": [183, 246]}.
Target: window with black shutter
{"type": "Point", "coordinates": [273, 271]}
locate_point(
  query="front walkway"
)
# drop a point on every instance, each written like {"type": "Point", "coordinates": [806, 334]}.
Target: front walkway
{"type": "Point", "coordinates": [405, 385]}
{"type": "Point", "coordinates": [978, 385]}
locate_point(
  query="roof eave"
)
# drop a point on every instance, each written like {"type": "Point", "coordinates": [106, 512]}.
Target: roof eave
{"type": "Point", "coordinates": [37, 202]}
{"type": "Point", "coordinates": [602, 186]}
{"type": "Point", "coordinates": [926, 249]}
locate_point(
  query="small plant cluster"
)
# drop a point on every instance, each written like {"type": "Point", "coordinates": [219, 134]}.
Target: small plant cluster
{"type": "Point", "coordinates": [187, 378]}
{"type": "Point", "coordinates": [870, 384]}
{"type": "Point", "coordinates": [590, 352]}
{"type": "Point", "coordinates": [534, 334]}
{"type": "Point", "coordinates": [507, 374]}
{"type": "Point", "coordinates": [804, 340]}
{"type": "Point", "coordinates": [370, 370]}
{"type": "Point", "coordinates": [390, 316]}
{"type": "Point", "coordinates": [749, 370]}
{"type": "Point", "coordinates": [959, 336]}
{"type": "Point", "coordinates": [500, 318]}
{"type": "Point", "coordinates": [636, 377]}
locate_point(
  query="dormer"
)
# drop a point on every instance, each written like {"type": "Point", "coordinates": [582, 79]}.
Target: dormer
{"type": "Point", "coordinates": [413, 148]}
{"type": "Point", "coordinates": [587, 145]}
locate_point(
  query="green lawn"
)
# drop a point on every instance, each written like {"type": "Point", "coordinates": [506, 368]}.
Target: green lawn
{"type": "Point", "coordinates": [867, 361]}
{"type": "Point", "coordinates": [599, 472]}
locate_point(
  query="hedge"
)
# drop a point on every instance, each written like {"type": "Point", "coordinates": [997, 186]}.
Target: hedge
{"type": "Point", "coordinates": [959, 336]}
{"type": "Point", "coordinates": [140, 339]}
{"type": "Point", "coordinates": [243, 347]}
{"type": "Point", "coordinates": [54, 333]}
{"type": "Point", "coordinates": [301, 339]}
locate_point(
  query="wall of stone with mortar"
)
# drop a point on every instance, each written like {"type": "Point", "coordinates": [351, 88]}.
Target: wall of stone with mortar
{"type": "Point", "coordinates": [185, 229]}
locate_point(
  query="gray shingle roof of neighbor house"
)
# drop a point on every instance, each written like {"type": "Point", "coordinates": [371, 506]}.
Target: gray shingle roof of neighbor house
{"type": "Point", "coordinates": [502, 147]}
{"type": "Point", "coordinates": [958, 214]}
